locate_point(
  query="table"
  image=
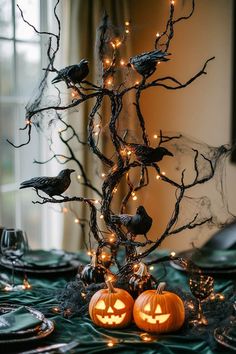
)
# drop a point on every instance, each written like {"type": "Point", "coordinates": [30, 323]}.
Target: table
{"type": "Point", "coordinates": [93, 339]}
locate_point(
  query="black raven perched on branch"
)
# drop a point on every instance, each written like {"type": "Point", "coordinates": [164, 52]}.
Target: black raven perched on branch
{"type": "Point", "coordinates": [147, 154]}
{"type": "Point", "coordinates": [138, 224]}
{"type": "Point", "coordinates": [73, 74]}
{"type": "Point", "coordinates": [145, 63]}
{"type": "Point", "coordinates": [50, 185]}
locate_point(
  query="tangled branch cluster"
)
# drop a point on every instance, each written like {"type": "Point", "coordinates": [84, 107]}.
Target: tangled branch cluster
{"type": "Point", "coordinates": [124, 159]}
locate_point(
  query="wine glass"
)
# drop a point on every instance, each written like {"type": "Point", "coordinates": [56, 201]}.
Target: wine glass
{"type": "Point", "coordinates": [201, 287]}
{"type": "Point", "coordinates": [13, 245]}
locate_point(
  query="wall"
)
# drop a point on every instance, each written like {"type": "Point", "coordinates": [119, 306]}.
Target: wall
{"type": "Point", "coordinates": [203, 110]}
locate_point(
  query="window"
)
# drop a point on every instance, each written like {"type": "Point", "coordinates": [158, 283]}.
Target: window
{"type": "Point", "coordinates": [20, 72]}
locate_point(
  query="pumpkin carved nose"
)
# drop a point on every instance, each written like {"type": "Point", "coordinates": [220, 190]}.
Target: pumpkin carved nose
{"type": "Point", "coordinates": [110, 310]}
{"type": "Point", "coordinates": [158, 309]}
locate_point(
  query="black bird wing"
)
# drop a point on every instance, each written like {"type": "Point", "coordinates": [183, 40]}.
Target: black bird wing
{"type": "Point", "coordinates": [141, 150]}
{"type": "Point", "coordinates": [40, 182]}
{"type": "Point", "coordinates": [124, 219]}
{"type": "Point", "coordinates": [63, 74]}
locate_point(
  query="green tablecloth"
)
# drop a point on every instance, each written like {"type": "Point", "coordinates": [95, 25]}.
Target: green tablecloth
{"type": "Point", "coordinates": [93, 339]}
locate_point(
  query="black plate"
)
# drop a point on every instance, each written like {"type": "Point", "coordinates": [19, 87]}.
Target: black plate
{"type": "Point", "coordinates": [71, 266]}
{"type": "Point", "coordinates": [188, 254]}
{"type": "Point", "coordinates": [40, 332]}
{"type": "Point", "coordinates": [221, 339]}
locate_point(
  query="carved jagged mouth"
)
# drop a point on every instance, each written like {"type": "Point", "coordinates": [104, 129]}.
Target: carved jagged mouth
{"type": "Point", "coordinates": [113, 319]}
{"type": "Point", "coordinates": [155, 319]}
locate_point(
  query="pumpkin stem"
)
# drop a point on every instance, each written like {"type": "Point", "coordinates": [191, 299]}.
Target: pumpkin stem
{"type": "Point", "coordinates": [110, 287]}
{"type": "Point", "coordinates": [161, 287]}
{"type": "Point", "coordinates": [142, 270]}
{"type": "Point", "coordinates": [94, 261]}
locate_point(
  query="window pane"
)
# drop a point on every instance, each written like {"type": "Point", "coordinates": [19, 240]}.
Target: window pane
{"type": "Point", "coordinates": [28, 153]}
{"type": "Point", "coordinates": [7, 152]}
{"type": "Point", "coordinates": [28, 68]}
{"type": "Point", "coordinates": [31, 11]}
{"type": "Point", "coordinates": [30, 217]}
{"type": "Point", "coordinates": [6, 67]}
{"type": "Point", "coordinates": [7, 211]}
{"type": "Point", "coordinates": [6, 25]}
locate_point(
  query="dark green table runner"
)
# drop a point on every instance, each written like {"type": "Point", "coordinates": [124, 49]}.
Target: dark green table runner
{"type": "Point", "coordinates": [93, 339]}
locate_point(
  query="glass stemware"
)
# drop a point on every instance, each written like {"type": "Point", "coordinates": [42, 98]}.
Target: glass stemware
{"type": "Point", "coordinates": [13, 246]}
{"type": "Point", "coordinates": [201, 287]}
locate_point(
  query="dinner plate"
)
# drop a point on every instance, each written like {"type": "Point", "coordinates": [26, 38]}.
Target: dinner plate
{"type": "Point", "coordinates": [28, 335]}
{"type": "Point", "coordinates": [71, 266]}
{"type": "Point", "coordinates": [221, 339]}
{"type": "Point", "coordinates": [215, 271]}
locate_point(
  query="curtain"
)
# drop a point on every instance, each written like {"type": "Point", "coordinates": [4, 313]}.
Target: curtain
{"type": "Point", "coordinates": [85, 17]}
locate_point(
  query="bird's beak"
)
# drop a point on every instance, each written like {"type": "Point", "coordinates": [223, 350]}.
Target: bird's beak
{"type": "Point", "coordinates": [168, 153]}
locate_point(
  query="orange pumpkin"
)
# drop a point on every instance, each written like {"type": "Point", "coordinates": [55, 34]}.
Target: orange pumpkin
{"type": "Point", "coordinates": [159, 311]}
{"type": "Point", "coordinates": [111, 307]}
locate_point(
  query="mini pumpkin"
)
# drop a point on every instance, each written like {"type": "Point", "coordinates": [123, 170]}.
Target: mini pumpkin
{"type": "Point", "coordinates": [159, 311]}
{"type": "Point", "coordinates": [140, 280]}
{"type": "Point", "coordinates": [111, 307]}
{"type": "Point", "coordinates": [93, 272]}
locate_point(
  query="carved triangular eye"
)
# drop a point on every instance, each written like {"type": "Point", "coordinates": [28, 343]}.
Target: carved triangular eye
{"type": "Point", "coordinates": [119, 305]}
{"type": "Point", "coordinates": [147, 308]}
{"type": "Point", "coordinates": [100, 305]}
{"type": "Point", "coordinates": [158, 309]}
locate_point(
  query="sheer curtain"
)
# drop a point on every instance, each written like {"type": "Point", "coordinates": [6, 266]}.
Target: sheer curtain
{"type": "Point", "coordinates": [83, 21]}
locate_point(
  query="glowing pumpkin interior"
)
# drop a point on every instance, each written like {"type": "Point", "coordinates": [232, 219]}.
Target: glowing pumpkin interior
{"type": "Point", "coordinates": [110, 315]}
{"type": "Point", "coordinates": [156, 317]}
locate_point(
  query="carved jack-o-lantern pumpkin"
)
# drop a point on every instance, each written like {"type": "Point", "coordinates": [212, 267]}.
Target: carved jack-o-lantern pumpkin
{"type": "Point", "coordinates": [111, 308]}
{"type": "Point", "coordinates": [159, 311]}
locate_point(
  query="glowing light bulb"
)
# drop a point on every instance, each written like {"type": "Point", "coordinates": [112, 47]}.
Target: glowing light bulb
{"type": "Point", "coordinates": [172, 2]}
{"type": "Point", "coordinates": [127, 30]}
{"type": "Point", "coordinates": [96, 201]}
{"type": "Point", "coordinates": [122, 62]}
{"type": "Point", "coordinates": [73, 93]}
{"type": "Point", "coordinates": [27, 122]}
{"type": "Point", "coordinates": [158, 34]}
{"type": "Point", "coordinates": [136, 266]}
{"type": "Point", "coordinates": [103, 175]}
{"type": "Point", "coordinates": [127, 23]}
{"type": "Point", "coordinates": [115, 190]}
{"type": "Point", "coordinates": [129, 152]}
{"type": "Point", "coordinates": [158, 62]}
{"type": "Point", "coordinates": [65, 210]}
{"type": "Point", "coordinates": [101, 216]}
{"type": "Point", "coordinates": [76, 221]}
{"type": "Point", "coordinates": [103, 256]}
{"type": "Point", "coordinates": [155, 136]}
{"type": "Point", "coordinates": [118, 43]}
{"type": "Point", "coordinates": [111, 239]}
{"type": "Point", "coordinates": [163, 173]}
{"type": "Point", "coordinates": [78, 177]}
{"type": "Point", "coordinates": [96, 133]}
{"type": "Point", "coordinates": [151, 268]}
{"type": "Point", "coordinates": [89, 253]}
{"type": "Point", "coordinates": [157, 177]}
{"type": "Point", "coordinates": [109, 82]}
{"type": "Point", "coordinates": [172, 254]}
{"type": "Point", "coordinates": [136, 82]}
{"type": "Point", "coordinates": [107, 61]}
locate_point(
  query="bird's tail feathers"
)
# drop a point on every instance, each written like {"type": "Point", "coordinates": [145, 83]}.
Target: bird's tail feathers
{"type": "Point", "coordinates": [115, 218]}
{"type": "Point", "coordinates": [26, 184]}
{"type": "Point", "coordinates": [56, 79]}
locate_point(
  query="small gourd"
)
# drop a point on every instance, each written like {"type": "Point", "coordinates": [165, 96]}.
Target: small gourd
{"type": "Point", "coordinates": [93, 272]}
{"type": "Point", "coordinates": [159, 311]}
{"type": "Point", "coordinates": [111, 307]}
{"type": "Point", "coordinates": [140, 281]}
